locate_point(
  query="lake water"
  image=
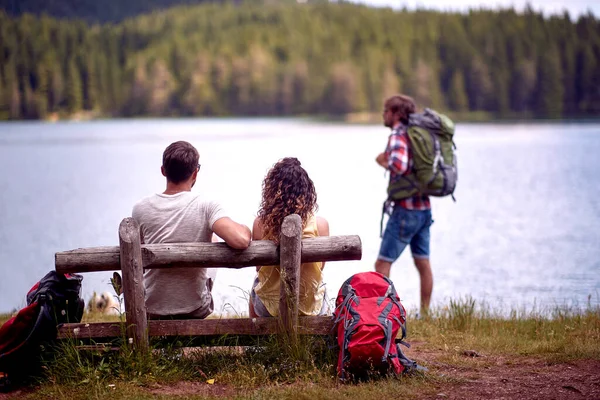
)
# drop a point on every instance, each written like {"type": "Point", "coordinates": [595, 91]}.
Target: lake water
{"type": "Point", "coordinates": [523, 234]}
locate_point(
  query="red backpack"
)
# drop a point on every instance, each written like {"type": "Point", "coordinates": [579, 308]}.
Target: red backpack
{"type": "Point", "coordinates": [367, 319]}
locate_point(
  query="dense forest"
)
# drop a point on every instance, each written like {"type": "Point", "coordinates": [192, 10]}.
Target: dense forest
{"type": "Point", "coordinates": [299, 59]}
{"type": "Point", "coordinates": [90, 10]}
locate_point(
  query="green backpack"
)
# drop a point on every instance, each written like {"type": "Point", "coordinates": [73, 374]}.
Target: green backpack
{"type": "Point", "coordinates": [434, 171]}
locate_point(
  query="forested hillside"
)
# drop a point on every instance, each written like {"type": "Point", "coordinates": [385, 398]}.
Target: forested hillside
{"type": "Point", "coordinates": [90, 10]}
{"type": "Point", "coordinates": [291, 59]}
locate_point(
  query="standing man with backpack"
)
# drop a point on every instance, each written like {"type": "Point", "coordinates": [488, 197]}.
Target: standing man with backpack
{"type": "Point", "coordinates": [410, 217]}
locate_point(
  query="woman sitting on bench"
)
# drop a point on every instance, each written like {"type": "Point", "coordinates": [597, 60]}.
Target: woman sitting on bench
{"type": "Point", "coordinates": [287, 190]}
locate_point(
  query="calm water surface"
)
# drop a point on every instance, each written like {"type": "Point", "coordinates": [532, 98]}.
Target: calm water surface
{"type": "Point", "coordinates": [524, 232]}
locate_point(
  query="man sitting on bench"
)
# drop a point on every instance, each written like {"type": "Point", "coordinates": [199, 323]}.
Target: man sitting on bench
{"type": "Point", "coordinates": [177, 215]}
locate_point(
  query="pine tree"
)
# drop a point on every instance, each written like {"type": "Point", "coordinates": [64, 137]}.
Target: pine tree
{"type": "Point", "coordinates": [90, 84]}
{"type": "Point", "coordinates": [550, 90]}
{"type": "Point", "coordinates": [102, 80]}
{"type": "Point", "coordinates": [12, 91]}
{"type": "Point", "coordinates": [41, 92]}
{"type": "Point", "coordinates": [220, 75]}
{"type": "Point", "coordinates": [74, 88]}
{"type": "Point", "coordinates": [199, 96]}
{"type": "Point", "coordinates": [115, 93]}
{"type": "Point", "coordinates": [263, 81]}
{"type": "Point", "coordinates": [373, 78]}
{"type": "Point", "coordinates": [4, 100]}
{"type": "Point", "coordinates": [15, 101]}
{"type": "Point", "coordinates": [343, 94]}
{"type": "Point", "coordinates": [418, 83]}
{"type": "Point", "coordinates": [300, 83]}
{"type": "Point", "coordinates": [285, 93]}
{"type": "Point", "coordinates": [160, 89]}
{"type": "Point", "coordinates": [390, 86]}
{"type": "Point", "coordinates": [139, 96]}
{"type": "Point", "coordinates": [479, 85]}
{"type": "Point", "coordinates": [587, 67]}
{"type": "Point", "coordinates": [523, 85]}
{"type": "Point", "coordinates": [457, 97]}
{"type": "Point", "coordinates": [29, 106]}
{"type": "Point", "coordinates": [239, 93]}
{"type": "Point", "coordinates": [56, 88]}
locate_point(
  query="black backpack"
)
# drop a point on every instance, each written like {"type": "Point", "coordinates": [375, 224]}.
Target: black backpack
{"type": "Point", "coordinates": [54, 300]}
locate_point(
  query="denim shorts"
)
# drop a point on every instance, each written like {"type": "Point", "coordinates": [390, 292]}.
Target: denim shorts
{"type": "Point", "coordinates": [406, 227]}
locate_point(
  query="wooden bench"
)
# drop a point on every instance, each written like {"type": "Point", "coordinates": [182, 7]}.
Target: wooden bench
{"type": "Point", "coordinates": [131, 257]}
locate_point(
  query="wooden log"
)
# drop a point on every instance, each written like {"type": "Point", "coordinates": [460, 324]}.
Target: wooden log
{"type": "Point", "coordinates": [97, 348]}
{"type": "Point", "coordinates": [198, 327]}
{"type": "Point", "coordinates": [208, 255]}
{"type": "Point", "coordinates": [290, 244]}
{"type": "Point", "coordinates": [331, 248]}
{"type": "Point", "coordinates": [133, 283]}
{"type": "Point", "coordinates": [93, 330]}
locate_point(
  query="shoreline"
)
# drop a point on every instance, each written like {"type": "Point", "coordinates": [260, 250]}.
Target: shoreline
{"type": "Point", "coordinates": [350, 119]}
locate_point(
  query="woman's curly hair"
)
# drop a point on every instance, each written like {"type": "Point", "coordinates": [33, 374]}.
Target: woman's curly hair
{"type": "Point", "coordinates": [286, 190]}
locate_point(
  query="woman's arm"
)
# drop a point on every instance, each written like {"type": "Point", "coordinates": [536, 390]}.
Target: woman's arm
{"type": "Point", "coordinates": [257, 233]}
{"type": "Point", "coordinates": [322, 230]}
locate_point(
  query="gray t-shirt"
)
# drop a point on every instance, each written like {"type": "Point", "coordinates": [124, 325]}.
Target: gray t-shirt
{"type": "Point", "coordinates": [182, 217]}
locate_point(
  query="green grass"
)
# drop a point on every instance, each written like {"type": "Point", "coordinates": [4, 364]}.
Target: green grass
{"type": "Point", "coordinates": [275, 369]}
{"type": "Point", "coordinates": [412, 388]}
{"type": "Point", "coordinates": [561, 335]}
{"type": "Point", "coordinates": [4, 318]}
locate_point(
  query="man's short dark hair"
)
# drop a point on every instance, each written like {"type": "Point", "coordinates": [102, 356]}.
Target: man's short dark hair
{"type": "Point", "coordinates": [180, 160]}
{"type": "Point", "coordinates": [402, 105]}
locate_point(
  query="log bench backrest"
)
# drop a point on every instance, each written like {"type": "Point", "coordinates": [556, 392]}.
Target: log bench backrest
{"type": "Point", "coordinates": [131, 257]}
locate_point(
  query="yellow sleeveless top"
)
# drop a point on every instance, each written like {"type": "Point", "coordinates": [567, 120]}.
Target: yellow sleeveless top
{"type": "Point", "coordinates": [312, 290]}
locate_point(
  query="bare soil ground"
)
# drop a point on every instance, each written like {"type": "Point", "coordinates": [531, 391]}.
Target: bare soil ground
{"type": "Point", "coordinates": [533, 379]}
{"type": "Point", "coordinates": [503, 377]}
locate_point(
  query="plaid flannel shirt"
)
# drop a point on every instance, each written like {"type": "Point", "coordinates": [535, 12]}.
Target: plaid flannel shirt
{"type": "Point", "coordinates": [400, 162]}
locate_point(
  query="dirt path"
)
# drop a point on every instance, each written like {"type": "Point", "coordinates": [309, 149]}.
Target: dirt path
{"type": "Point", "coordinates": [536, 380]}
{"type": "Point", "coordinates": [501, 377]}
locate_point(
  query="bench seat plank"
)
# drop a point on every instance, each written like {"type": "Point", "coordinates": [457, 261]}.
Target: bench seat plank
{"type": "Point", "coordinates": [197, 327]}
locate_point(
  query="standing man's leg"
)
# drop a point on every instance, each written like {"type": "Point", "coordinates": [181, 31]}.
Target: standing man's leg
{"type": "Point", "coordinates": [424, 268]}
{"type": "Point", "coordinates": [419, 246]}
{"type": "Point", "coordinates": [383, 267]}
{"type": "Point", "coordinates": [394, 241]}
